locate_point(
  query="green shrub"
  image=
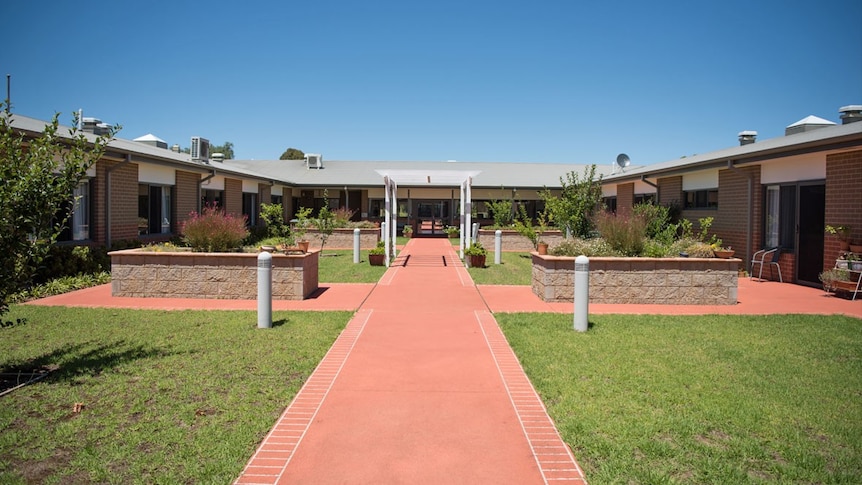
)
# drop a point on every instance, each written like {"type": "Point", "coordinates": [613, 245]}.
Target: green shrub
{"type": "Point", "coordinates": [61, 285]}
{"type": "Point", "coordinates": [624, 233]}
{"type": "Point", "coordinates": [501, 212]}
{"type": "Point", "coordinates": [341, 217]}
{"type": "Point", "coordinates": [658, 221]}
{"type": "Point", "coordinates": [214, 231]}
{"type": "Point", "coordinates": [588, 247]}
{"type": "Point", "coordinates": [64, 260]}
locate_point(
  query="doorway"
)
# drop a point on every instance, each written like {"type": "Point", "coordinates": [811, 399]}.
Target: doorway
{"type": "Point", "coordinates": [812, 221]}
{"type": "Point", "coordinates": [431, 215]}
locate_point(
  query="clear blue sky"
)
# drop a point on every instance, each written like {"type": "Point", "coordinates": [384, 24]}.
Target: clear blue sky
{"type": "Point", "coordinates": [545, 81]}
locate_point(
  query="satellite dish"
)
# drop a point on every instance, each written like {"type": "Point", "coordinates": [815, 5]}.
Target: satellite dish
{"type": "Point", "coordinates": [623, 160]}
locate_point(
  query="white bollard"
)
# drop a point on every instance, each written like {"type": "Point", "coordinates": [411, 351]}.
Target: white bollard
{"type": "Point", "coordinates": [475, 231]}
{"type": "Point", "coordinates": [582, 292]}
{"type": "Point", "coordinates": [498, 246]}
{"type": "Point", "coordinates": [382, 231]}
{"type": "Point", "coordinates": [264, 290]}
{"type": "Point", "coordinates": [356, 246]}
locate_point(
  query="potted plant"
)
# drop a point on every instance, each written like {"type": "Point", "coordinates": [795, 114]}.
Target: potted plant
{"type": "Point", "coordinates": [377, 256]}
{"type": "Point", "coordinates": [831, 276]}
{"type": "Point", "coordinates": [724, 253]}
{"type": "Point", "coordinates": [476, 255]}
{"type": "Point", "coordinates": [842, 262]}
{"type": "Point", "coordinates": [854, 261]}
{"type": "Point", "coordinates": [842, 232]}
{"type": "Point", "coordinates": [451, 231]}
{"type": "Point", "coordinates": [407, 231]}
{"type": "Point", "coordinates": [300, 227]}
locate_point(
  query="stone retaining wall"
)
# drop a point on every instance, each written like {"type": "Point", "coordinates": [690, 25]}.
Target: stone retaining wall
{"type": "Point", "coordinates": [512, 241]}
{"type": "Point", "coordinates": [671, 281]}
{"type": "Point", "coordinates": [230, 276]}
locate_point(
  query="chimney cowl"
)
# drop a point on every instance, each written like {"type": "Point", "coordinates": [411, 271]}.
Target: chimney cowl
{"type": "Point", "coordinates": [747, 137]}
{"type": "Point", "coordinates": [850, 113]}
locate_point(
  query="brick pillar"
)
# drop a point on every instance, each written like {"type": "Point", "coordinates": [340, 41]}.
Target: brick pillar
{"type": "Point", "coordinates": [233, 196]}
{"type": "Point", "coordinates": [843, 200]}
{"type": "Point", "coordinates": [625, 198]}
{"type": "Point", "coordinates": [186, 197]}
{"type": "Point", "coordinates": [670, 191]}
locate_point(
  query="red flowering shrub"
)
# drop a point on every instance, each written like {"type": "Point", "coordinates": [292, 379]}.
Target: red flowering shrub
{"type": "Point", "coordinates": [214, 231]}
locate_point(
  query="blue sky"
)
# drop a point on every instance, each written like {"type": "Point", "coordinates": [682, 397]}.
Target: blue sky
{"type": "Point", "coordinates": [546, 81]}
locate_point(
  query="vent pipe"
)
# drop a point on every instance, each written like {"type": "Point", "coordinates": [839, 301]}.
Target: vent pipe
{"type": "Point", "coordinates": [747, 137]}
{"type": "Point", "coordinates": [851, 113]}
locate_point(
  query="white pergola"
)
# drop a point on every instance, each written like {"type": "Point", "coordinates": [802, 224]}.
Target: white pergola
{"type": "Point", "coordinates": [426, 178]}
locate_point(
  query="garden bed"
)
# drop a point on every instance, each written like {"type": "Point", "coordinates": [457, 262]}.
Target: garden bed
{"type": "Point", "coordinates": [671, 281]}
{"type": "Point", "coordinates": [231, 276]}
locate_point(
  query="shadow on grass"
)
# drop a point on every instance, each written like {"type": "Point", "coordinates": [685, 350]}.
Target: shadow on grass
{"type": "Point", "coordinates": [77, 360]}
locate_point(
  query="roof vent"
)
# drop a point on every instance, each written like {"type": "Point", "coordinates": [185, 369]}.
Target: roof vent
{"type": "Point", "coordinates": [809, 123]}
{"type": "Point", "coordinates": [95, 126]}
{"type": "Point", "coordinates": [218, 157]}
{"type": "Point", "coordinates": [200, 150]}
{"type": "Point", "coordinates": [313, 160]}
{"type": "Point", "coordinates": [851, 113]}
{"type": "Point", "coordinates": [747, 137]}
{"type": "Point", "coordinates": [152, 140]}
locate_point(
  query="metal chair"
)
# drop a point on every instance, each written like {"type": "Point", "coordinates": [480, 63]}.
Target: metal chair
{"type": "Point", "coordinates": [768, 256]}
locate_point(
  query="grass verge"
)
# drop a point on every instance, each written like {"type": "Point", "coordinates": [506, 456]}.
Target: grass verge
{"type": "Point", "coordinates": [336, 266]}
{"type": "Point", "coordinates": [168, 397]}
{"type": "Point", "coordinates": [711, 399]}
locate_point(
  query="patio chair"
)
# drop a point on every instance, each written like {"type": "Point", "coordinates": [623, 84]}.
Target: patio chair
{"type": "Point", "coordinates": [768, 256]}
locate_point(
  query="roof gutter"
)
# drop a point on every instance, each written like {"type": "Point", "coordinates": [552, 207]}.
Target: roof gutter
{"type": "Point", "coordinates": [110, 169]}
{"type": "Point", "coordinates": [750, 215]}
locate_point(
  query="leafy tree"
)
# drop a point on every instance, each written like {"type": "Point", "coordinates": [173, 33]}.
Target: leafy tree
{"type": "Point", "coordinates": [501, 212]}
{"type": "Point", "coordinates": [325, 222]}
{"type": "Point", "coordinates": [579, 199]}
{"type": "Point", "coordinates": [226, 150]}
{"type": "Point", "coordinates": [292, 154]}
{"type": "Point", "coordinates": [37, 178]}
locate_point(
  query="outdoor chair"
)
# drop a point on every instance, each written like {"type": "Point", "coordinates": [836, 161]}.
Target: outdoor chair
{"type": "Point", "coordinates": [768, 256]}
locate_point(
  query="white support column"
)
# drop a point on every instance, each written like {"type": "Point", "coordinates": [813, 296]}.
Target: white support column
{"type": "Point", "coordinates": [463, 221]}
{"type": "Point", "coordinates": [394, 227]}
{"type": "Point", "coordinates": [387, 217]}
{"type": "Point", "coordinates": [468, 226]}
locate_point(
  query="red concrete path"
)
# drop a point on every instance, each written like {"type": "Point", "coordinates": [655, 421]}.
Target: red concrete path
{"type": "Point", "coordinates": [421, 387]}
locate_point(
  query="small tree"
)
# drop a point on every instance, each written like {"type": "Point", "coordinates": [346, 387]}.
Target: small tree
{"type": "Point", "coordinates": [501, 212]}
{"type": "Point", "coordinates": [325, 223]}
{"type": "Point", "coordinates": [273, 216]}
{"type": "Point", "coordinates": [573, 209]}
{"type": "Point", "coordinates": [37, 178]}
{"type": "Point", "coordinates": [292, 154]}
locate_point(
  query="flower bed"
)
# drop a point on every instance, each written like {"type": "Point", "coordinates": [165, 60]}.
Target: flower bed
{"type": "Point", "coordinates": [231, 276]}
{"type": "Point", "coordinates": [671, 281]}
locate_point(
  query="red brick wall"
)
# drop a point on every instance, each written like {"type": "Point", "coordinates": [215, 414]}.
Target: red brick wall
{"type": "Point", "coordinates": [670, 190]}
{"type": "Point", "coordinates": [124, 201]}
{"type": "Point", "coordinates": [187, 197]}
{"type": "Point", "coordinates": [733, 208]}
{"type": "Point", "coordinates": [843, 200]}
{"type": "Point", "coordinates": [233, 196]}
{"type": "Point", "coordinates": [625, 198]}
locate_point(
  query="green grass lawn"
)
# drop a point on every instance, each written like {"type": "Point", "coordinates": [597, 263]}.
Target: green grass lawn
{"type": "Point", "coordinates": [711, 399]}
{"type": "Point", "coordinates": [168, 396]}
{"type": "Point", "coordinates": [336, 266]}
{"type": "Point", "coordinates": [515, 269]}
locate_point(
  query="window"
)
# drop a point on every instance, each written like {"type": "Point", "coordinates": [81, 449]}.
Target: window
{"type": "Point", "coordinates": [211, 198]}
{"type": "Point", "coordinates": [701, 199]}
{"type": "Point", "coordinates": [276, 199]}
{"type": "Point", "coordinates": [610, 204]}
{"type": "Point", "coordinates": [77, 226]}
{"type": "Point", "coordinates": [780, 216]}
{"type": "Point", "coordinates": [154, 209]}
{"type": "Point", "coordinates": [647, 198]}
{"type": "Point", "coordinates": [249, 208]}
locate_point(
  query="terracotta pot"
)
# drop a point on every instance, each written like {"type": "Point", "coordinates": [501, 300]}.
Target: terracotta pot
{"type": "Point", "coordinates": [723, 254]}
{"type": "Point", "coordinates": [856, 248]}
{"type": "Point", "coordinates": [376, 259]}
{"type": "Point", "coordinates": [477, 260]}
{"type": "Point", "coordinates": [542, 248]}
{"type": "Point", "coordinates": [843, 246]}
{"type": "Point", "coordinates": [303, 246]}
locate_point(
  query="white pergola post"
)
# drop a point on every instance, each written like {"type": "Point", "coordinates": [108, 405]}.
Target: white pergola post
{"type": "Point", "coordinates": [462, 221]}
{"type": "Point", "coordinates": [394, 227]}
{"type": "Point", "coordinates": [387, 217]}
{"type": "Point", "coordinates": [468, 225]}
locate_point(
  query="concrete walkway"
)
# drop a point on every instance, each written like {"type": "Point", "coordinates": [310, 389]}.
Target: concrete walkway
{"type": "Point", "coordinates": [421, 387]}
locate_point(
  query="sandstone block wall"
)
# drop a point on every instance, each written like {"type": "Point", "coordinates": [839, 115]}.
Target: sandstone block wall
{"type": "Point", "coordinates": [231, 276]}
{"type": "Point", "coordinates": [512, 241]}
{"type": "Point", "coordinates": [671, 281]}
{"type": "Point", "coordinates": [343, 239]}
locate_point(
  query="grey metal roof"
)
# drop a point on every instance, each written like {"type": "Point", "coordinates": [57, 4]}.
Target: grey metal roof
{"type": "Point", "coordinates": [826, 138]}
{"type": "Point", "coordinates": [337, 173]}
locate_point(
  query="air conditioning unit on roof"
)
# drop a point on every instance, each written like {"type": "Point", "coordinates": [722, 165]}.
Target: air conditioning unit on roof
{"type": "Point", "coordinates": [313, 160]}
{"type": "Point", "coordinates": [200, 150]}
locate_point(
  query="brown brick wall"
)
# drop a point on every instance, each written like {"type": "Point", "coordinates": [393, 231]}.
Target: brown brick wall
{"type": "Point", "coordinates": [670, 190]}
{"type": "Point", "coordinates": [733, 209]}
{"type": "Point", "coordinates": [843, 199]}
{"type": "Point", "coordinates": [233, 196]}
{"type": "Point", "coordinates": [124, 201]}
{"type": "Point", "coordinates": [187, 197]}
{"type": "Point", "coordinates": [625, 198]}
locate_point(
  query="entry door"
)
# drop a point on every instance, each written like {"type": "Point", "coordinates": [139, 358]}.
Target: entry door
{"type": "Point", "coordinates": [431, 214]}
{"type": "Point", "coordinates": [811, 225]}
